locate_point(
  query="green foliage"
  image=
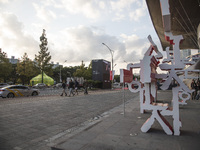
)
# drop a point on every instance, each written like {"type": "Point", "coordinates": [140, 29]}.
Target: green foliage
{"type": "Point", "coordinates": [85, 72]}
{"type": "Point", "coordinates": [5, 67]}
{"type": "Point", "coordinates": [13, 76]}
{"type": "Point", "coordinates": [43, 58]}
{"type": "Point", "coordinates": [65, 72]}
{"type": "Point", "coordinates": [48, 69]}
{"type": "Point", "coordinates": [26, 69]}
{"type": "Point", "coordinates": [94, 84]}
{"type": "Point", "coordinates": [56, 74]}
{"type": "Point", "coordinates": [117, 78]}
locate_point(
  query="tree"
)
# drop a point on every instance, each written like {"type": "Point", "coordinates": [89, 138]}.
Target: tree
{"type": "Point", "coordinates": [85, 72]}
{"type": "Point", "coordinates": [43, 58]}
{"type": "Point", "coordinates": [26, 69]}
{"type": "Point", "coordinates": [66, 72]}
{"type": "Point", "coordinates": [13, 76]}
{"type": "Point", "coordinates": [88, 72]}
{"type": "Point", "coordinates": [117, 78]}
{"type": "Point", "coordinates": [5, 66]}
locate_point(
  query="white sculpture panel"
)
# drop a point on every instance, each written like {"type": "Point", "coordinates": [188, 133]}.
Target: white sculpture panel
{"type": "Point", "coordinates": [149, 76]}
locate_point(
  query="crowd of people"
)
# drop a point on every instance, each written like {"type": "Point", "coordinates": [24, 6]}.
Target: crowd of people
{"type": "Point", "coordinates": [73, 88]}
{"type": "Point", "coordinates": [195, 85]}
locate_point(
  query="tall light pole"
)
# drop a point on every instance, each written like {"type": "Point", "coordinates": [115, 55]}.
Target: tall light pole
{"type": "Point", "coordinates": [112, 53]}
{"type": "Point", "coordinates": [60, 71]}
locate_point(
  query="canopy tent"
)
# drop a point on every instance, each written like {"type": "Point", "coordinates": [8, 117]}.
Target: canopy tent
{"type": "Point", "coordinates": [38, 79]}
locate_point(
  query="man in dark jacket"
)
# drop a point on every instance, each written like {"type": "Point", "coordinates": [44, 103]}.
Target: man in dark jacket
{"type": "Point", "coordinates": [71, 86]}
{"type": "Point", "coordinates": [194, 87]}
{"type": "Point", "coordinates": [64, 87]}
{"type": "Point", "coordinates": [85, 84]}
{"type": "Point", "coordinates": [76, 87]}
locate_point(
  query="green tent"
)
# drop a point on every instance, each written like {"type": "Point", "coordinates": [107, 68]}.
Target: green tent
{"type": "Point", "coordinates": [38, 79]}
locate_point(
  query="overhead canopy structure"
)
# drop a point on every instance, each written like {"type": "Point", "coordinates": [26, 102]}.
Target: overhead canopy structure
{"type": "Point", "coordinates": [185, 19]}
{"type": "Point", "coordinates": [38, 79]}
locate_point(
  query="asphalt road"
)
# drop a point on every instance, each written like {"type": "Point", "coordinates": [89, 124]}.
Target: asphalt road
{"type": "Point", "coordinates": [28, 122]}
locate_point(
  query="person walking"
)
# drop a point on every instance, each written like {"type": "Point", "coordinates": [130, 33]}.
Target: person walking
{"type": "Point", "coordinates": [198, 90]}
{"type": "Point", "coordinates": [71, 86]}
{"type": "Point", "coordinates": [76, 87]}
{"type": "Point", "coordinates": [85, 84]}
{"type": "Point", "coordinates": [194, 87]}
{"type": "Point", "coordinates": [64, 88]}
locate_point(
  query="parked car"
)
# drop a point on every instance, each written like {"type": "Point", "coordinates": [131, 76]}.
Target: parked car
{"type": "Point", "coordinates": [3, 85]}
{"type": "Point", "coordinates": [59, 85]}
{"type": "Point", "coordinates": [17, 91]}
{"type": "Point", "coordinates": [116, 85]}
{"type": "Point", "coordinates": [40, 86]}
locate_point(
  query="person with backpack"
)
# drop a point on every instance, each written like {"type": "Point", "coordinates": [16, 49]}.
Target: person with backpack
{"type": "Point", "coordinates": [194, 87]}
{"type": "Point", "coordinates": [76, 86]}
{"type": "Point", "coordinates": [64, 88]}
{"type": "Point", "coordinates": [71, 86]}
{"type": "Point", "coordinates": [198, 90]}
{"type": "Point", "coordinates": [85, 85]}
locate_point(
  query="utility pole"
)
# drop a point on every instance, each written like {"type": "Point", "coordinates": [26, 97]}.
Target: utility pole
{"type": "Point", "coordinates": [112, 53]}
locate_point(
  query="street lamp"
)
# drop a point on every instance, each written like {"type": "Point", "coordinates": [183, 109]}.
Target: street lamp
{"type": "Point", "coordinates": [112, 53]}
{"type": "Point", "coordinates": [60, 70]}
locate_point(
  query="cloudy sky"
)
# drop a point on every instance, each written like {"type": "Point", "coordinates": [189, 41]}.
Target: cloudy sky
{"type": "Point", "coordinates": [76, 29]}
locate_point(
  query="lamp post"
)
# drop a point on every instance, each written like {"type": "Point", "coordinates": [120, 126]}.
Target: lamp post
{"type": "Point", "coordinates": [60, 71]}
{"type": "Point", "coordinates": [112, 53]}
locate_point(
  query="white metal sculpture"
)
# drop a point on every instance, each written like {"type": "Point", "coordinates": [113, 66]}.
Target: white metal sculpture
{"type": "Point", "coordinates": [149, 76]}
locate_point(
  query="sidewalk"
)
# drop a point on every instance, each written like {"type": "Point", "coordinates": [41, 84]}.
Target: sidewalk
{"type": "Point", "coordinates": [114, 131]}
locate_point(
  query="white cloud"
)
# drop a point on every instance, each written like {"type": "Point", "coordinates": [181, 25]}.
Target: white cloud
{"type": "Point", "coordinates": [13, 38]}
{"type": "Point", "coordinates": [133, 9]}
{"type": "Point", "coordinates": [118, 17]}
{"type": "Point", "coordinates": [44, 13]}
{"type": "Point", "coordinates": [85, 43]}
{"type": "Point", "coordinates": [135, 47]}
{"type": "Point", "coordinates": [120, 5]}
{"type": "Point", "coordinates": [139, 12]}
{"type": "Point", "coordinates": [81, 43]}
{"type": "Point", "coordinates": [88, 8]}
{"type": "Point", "coordinates": [102, 5]}
{"type": "Point", "coordinates": [4, 1]}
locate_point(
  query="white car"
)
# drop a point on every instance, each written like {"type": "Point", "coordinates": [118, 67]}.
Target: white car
{"type": "Point", "coordinates": [17, 91]}
{"type": "Point", "coordinates": [40, 86]}
{"type": "Point", "coordinates": [59, 85]}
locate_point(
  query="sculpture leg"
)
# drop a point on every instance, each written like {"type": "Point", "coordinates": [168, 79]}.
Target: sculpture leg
{"type": "Point", "coordinates": [147, 125]}
{"type": "Point", "coordinates": [164, 123]}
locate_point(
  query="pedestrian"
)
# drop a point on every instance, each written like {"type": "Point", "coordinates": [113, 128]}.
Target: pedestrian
{"type": "Point", "coordinates": [194, 87]}
{"type": "Point", "coordinates": [198, 90]}
{"type": "Point", "coordinates": [198, 84]}
{"type": "Point", "coordinates": [85, 85]}
{"type": "Point", "coordinates": [76, 86]}
{"type": "Point", "coordinates": [64, 88]}
{"type": "Point", "coordinates": [71, 86]}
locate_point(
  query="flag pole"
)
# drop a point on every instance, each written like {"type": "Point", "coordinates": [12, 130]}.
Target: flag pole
{"type": "Point", "coordinates": [124, 98]}
{"type": "Point", "coordinates": [122, 80]}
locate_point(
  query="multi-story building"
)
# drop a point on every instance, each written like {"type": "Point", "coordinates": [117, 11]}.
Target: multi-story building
{"type": "Point", "coordinates": [55, 65]}
{"type": "Point", "coordinates": [13, 60]}
{"type": "Point", "coordinates": [101, 72]}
